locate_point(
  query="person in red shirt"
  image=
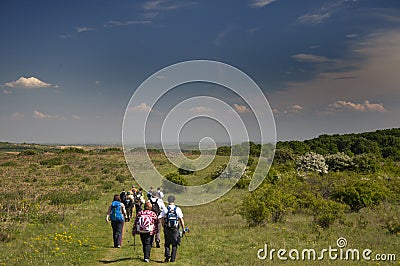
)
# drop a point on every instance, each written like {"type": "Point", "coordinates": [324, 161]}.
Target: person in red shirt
{"type": "Point", "coordinates": [146, 224]}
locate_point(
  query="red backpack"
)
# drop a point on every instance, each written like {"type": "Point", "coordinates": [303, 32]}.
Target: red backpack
{"type": "Point", "coordinates": [145, 223]}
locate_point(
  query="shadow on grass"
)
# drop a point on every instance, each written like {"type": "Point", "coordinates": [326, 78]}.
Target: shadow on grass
{"type": "Point", "coordinates": [117, 260]}
{"type": "Point", "coordinates": [124, 259]}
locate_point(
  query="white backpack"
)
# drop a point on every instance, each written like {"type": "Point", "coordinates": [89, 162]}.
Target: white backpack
{"type": "Point", "coordinates": [145, 223]}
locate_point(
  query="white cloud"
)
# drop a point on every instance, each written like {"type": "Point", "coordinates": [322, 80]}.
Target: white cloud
{"type": "Point", "coordinates": [313, 18]}
{"type": "Point", "coordinates": [240, 108]}
{"type": "Point", "coordinates": [167, 5]}
{"type": "Point", "coordinates": [294, 109]}
{"type": "Point", "coordinates": [29, 83]}
{"type": "Point", "coordinates": [311, 58]}
{"type": "Point", "coordinates": [339, 106]}
{"type": "Point", "coordinates": [113, 23]}
{"type": "Point", "coordinates": [260, 3]}
{"type": "Point", "coordinates": [66, 36]}
{"type": "Point", "coordinates": [325, 11]}
{"type": "Point", "coordinates": [371, 73]}
{"type": "Point", "coordinates": [76, 117]}
{"type": "Point", "coordinates": [200, 109]}
{"type": "Point", "coordinates": [83, 29]}
{"type": "Point", "coordinates": [222, 35]}
{"type": "Point", "coordinates": [143, 107]}
{"type": "Point", "coordinates": [17, 115]}
{"type": "Point", "coordinates": [7, 91]}
{"type": "Point", "coordinates": [39, 115]}
{"type": "Point", "coordinates": [352, 35]}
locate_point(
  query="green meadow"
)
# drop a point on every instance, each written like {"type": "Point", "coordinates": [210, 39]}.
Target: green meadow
{"type": "Point", "coordinates": [53, 203]}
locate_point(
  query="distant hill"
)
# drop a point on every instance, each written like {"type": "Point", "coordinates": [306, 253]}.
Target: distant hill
{"type": "Point", "coordinates": [385, 143]}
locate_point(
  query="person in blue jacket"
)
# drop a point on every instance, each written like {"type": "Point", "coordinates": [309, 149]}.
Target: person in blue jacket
{"type": "Point", "coordinates": [117, 214]}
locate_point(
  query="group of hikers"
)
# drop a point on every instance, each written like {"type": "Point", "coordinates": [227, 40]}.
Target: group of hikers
{"type": "Point", "coordinates": [151, 216]}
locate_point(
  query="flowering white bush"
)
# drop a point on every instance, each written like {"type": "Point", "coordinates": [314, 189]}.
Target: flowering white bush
{"type": "Point", "coordinates": [312, 162]}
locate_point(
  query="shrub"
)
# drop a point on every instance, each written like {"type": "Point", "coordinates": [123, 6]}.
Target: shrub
{"type": "Point", "coordinates": [174, 178]}
{"type": "Point", "coordinates": [366, 163]}
{"type": "Point", "coordinates": [186, 169]}
{"type": "Point", "coordinates": [7, 164]}
{"type": "Point", "coordinates": [339, 161]}
{"type": "Point", "coordinates": [218, 171]}
{"type": "Point", "coordinates": [51, 162]}
{"type": "Point", "coordinates": [106, 186]}
{"type": "Point", "coordinates": [283, 155]}
{"type": "Point", "coordinates": [392, 225]}
{"type": "Point", "coordinates": [121, 178]}
{"type": "Point", "coordinates": [268, 203]}
{"type": "Point", "coordinates": [312, 162]}
{"type": "Point", "coordinates": [326, 212]}
{"type": "Point", "coordinates": [63, 197]}
{"type": "Point", "coordinates": [65, 169]}
{"type": "Point", "coordinates": [244, 181]}
{"type": "Point", "coordinates": [250, 160]}
{"type": "Point", "coordinates": [28, 152]}
{"type": "Point", "coordinates": [73, 150]}
{"type": "Point", "coordinates": [358, 194]}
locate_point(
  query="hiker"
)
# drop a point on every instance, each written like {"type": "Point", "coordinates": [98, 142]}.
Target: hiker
{"type": "Point", "coordinates": [149, 193]}
{"type": "Point", "coordinates": [117, 214]}
{"type": "Point", "coordinates": [122, 195]}
{"type": "Point", "coordinates": [171, 217]}
{"type": "Point", "coordinates": [139, 200]}
{"type": "Point", "coordinates": [160, 194]}
{"type": "Point", "coordinates": [146, 224]}
{"type": "Point", "coordinates": [128, 202]}
{"type": "Point", "coordinates": [157, 207]}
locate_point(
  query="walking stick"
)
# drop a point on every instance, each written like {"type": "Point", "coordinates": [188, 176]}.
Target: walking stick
{"type": "Point", "coordinates": [134, 244]}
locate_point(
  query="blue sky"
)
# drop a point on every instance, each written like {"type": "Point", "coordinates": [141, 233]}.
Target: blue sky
{"type": "Point", "coordinates": [69, 68]}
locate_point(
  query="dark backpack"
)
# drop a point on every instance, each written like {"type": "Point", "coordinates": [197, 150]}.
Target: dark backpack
{"type": "Point", "coordinates": [137, 198]}
{"type": "Point", "coordinates": [122, 196]}
{"type": "Point", "coordinates": [171, 219]}
{"type": "Point", "coordinates": [128, 202]}
{"type": "Point", "coordinates": [116, 214]}
{"type": "Point", "coordinates": [155, 207]}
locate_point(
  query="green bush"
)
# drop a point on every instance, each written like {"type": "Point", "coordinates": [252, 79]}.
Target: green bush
{"type": "Point", "coordinates": [73, 150]}
{"type": "Point", "coordinates": [186, 169]}
{"type": "Point", "coordinates": [339, 162]}
{"type": "Point", "coordinates": [65, 197]}
{"type": "Point", "coordinates": [174, 178]}
{"type": "Point", "coordinates": [28, 152]}
{"type": "Point", "coordinates": [392, 225]}
{"type": "Point", "coordinates": [283, 155]}
{"type": "Point", "coordinates": [365, 163]}
{"type": "Point", "coordinates": [121, 178]}
{"type": "Point", "coordinates": [65, 169]}
{"type": "Point", "coordinates": [358, 194]}
{"type": "Point", "coordinates": [244, 181]}
{"type": "Point", "coordinates": [268, 203]}
{"type": "Point", "coordinates": [326, 212]}
{"type": "Point", "coordinates": [7, 164]}
{"type": "Point", "coordinates": [247, 161]}
{"type": "Point", "coordinates": [51, 162]}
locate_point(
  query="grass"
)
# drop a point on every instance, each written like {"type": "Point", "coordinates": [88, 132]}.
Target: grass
{"type": "Point", "coordinates": [56, 215]}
